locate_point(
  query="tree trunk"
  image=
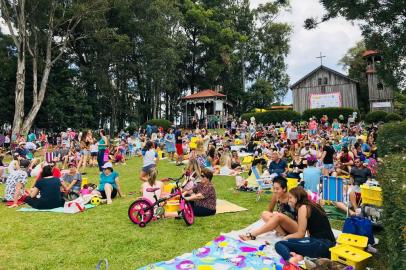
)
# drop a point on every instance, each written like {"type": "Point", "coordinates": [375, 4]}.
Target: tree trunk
{"type": "Point", "coordinates": [36, 105]}
{"type": "Point", "coordinates": [19, 90]}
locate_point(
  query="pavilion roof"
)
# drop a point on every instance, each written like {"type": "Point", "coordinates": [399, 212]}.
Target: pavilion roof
{"type": "Point", "coordinates": [206, 93]}
{"type": "Point", "coordinates": [369, 52]}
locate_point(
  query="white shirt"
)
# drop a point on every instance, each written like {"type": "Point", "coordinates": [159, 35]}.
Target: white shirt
{"type": "Point", "coordinates": [149, 157]}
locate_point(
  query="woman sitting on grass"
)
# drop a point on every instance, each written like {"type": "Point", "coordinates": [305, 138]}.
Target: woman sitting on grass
{"type": "Point", "coordinates": [109, 183]}
{"type": "Point", "coordinates": [49, 187]}
{"type": "Point", "coordinates": [203, 195]}
{"type": "Point", "coordinates": [311, 218]}
{"type": "Point", "coordinates": [15, 185]}
{"type": "Point", "coordinates": [283, 220]}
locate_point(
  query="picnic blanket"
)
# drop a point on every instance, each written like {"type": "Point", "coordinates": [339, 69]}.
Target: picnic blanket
{"type": "Point", "coordinates": [224, 206]}
{"type": "Point", "coordinates": [223, 253]}
{"type": "Point", "coordinates": [55, 210]}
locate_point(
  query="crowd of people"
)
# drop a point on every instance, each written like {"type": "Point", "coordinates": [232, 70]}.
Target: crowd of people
{"type": "Point", "coordinates": [304, 150]}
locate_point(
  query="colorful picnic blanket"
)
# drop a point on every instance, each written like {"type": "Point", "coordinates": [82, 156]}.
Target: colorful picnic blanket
{"type": "Point", "coordinates": [223, 253]}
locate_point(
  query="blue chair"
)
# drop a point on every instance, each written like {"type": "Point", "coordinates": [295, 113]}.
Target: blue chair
{"type": "Point", "coordinates": [261, 181]}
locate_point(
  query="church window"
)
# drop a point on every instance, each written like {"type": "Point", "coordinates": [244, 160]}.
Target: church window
{"type": "Point", "coordinates": [379, 86]}
{"type": "Point", "coordinates": [320, 81]}
{"type": "Point", "coordinates": [325, 80]}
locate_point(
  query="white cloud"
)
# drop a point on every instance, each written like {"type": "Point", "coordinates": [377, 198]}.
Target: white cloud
{"type": "Point", "coordinates": [333, 38]}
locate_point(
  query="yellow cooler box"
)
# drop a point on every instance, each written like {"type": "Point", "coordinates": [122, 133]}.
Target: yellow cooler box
{"type": "Point", "coordinates": [353, 240]}
{"type": "Point", "coordinates": [85, 181]}
{"type": "Point", "coordinates": [351, 256]}
{"type": "Point", "coordinates": [292, 182]}
{"type": "Point", "coordinates": [172, 206]}
{"type": "Point", "coordinates": [371, 195]}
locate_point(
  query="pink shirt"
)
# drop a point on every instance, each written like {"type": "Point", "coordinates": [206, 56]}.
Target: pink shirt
{"type": "Point", "coordinates": [313, 125]}
{"type": "Point", "coordinates": [150, 195]}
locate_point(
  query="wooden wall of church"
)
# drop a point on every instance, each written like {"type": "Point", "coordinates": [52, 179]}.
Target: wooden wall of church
{"type": "Point", "coordinates": [302, 92]}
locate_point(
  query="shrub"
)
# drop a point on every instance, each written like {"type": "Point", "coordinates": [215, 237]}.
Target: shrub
{"type": "Point", "coordinates": [375, 117]}
{"type": "Point", "coordinates": [160, 123]}
{"type": "Point", "coordinates": [393, 117]}
{"type": "Point", "coordinates": [392, 176]}
{"type": "Point", "coordinates": [272, 116]}
{"type": "Point", "coordinates": [391, 138]}
{"type": "Point", "coordinates": [330, 112]}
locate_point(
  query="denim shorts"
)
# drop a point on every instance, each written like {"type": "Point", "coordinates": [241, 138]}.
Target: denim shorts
{"type": "Point", "coordinates": [148, 167]}
{"type": "Point", "coordinates": [328, 166]}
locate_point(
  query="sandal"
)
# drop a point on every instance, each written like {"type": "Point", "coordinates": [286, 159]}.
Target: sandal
{"type": "Point", "coordinates": [248, 236]}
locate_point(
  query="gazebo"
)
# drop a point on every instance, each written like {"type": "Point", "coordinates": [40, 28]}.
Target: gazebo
{"type": "Point", "coordinates": [205, 104]}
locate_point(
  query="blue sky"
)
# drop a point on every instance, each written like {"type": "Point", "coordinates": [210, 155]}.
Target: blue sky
{"type": "Point", "coordinates": [332, 38]}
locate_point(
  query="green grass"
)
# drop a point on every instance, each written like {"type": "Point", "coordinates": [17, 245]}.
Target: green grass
{"type": "Point", "coordinates": [61, 241]}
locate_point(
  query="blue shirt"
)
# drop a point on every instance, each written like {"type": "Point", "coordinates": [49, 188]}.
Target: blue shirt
{"type": "Point", "coordinates": [345, 141]}
{"type": "Point", "coordinates": [108, 179]}
{"type": "Point", "coordinates": [278, 168]}
{"type": "Point", "coordinates": [311, 177]}
{"type": "Point", "coordinates": [365, 147]}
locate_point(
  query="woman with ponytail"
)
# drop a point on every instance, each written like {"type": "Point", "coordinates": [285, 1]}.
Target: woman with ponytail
{"type": "Point", "coordinates": [312, 219]}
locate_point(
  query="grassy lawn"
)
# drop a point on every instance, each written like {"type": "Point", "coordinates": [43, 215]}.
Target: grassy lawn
{"type": "Point", "coordinates": [61, 241]}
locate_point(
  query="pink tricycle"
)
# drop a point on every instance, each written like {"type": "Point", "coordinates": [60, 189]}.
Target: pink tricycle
{"type": "Point", "coordinates": [142, 210]}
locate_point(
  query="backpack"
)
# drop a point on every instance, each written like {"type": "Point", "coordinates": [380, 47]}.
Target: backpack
{"type": "Point", "coordinates": [359, 226]}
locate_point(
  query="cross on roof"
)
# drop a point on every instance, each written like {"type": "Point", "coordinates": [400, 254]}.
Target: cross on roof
{"type": "Point", "coordinates": [321, 58]}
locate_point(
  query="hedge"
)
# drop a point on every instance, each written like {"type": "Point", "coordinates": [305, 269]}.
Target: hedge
{"type": "Point", "coordinates": [393, 117]}
{"type": "Point", "coordinates": [376, 116]}
{"type": "Point", "coordinates": [332, 113]}
{"type": "Point", "coordinates": [391, 138]}
{"type": "Point", "coordinates": [272, 116]}
{"type": "Point", "coordinates": [160, 123]}
{"type": "Point", "coordinates": [392, 177]}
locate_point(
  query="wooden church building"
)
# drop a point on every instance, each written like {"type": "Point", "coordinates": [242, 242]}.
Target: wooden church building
{"type": "Point", "coordinates": [322, 88]}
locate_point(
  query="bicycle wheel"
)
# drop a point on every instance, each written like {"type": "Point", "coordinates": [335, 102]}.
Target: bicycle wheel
{"type": "Point", "coordinates": [187, 214]}
{"type": "Point", "coordinates": [140, 212]}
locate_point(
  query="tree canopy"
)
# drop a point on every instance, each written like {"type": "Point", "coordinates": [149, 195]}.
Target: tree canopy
{"type": "Point", "coordinates": [383, 27]}
{"type": "Point", "coordinates": [114, 63]}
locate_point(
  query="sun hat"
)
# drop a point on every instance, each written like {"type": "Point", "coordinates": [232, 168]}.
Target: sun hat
{"type": "Point", "coordinates": [107, 165]}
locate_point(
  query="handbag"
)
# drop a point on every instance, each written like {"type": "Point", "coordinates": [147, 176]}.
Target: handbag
{"type": "Point", "coordinates": [106, 155]}
{"type": "Point", "coordinates": [359, 226]}
{"type": "Point", "coordinates": [74, 207]}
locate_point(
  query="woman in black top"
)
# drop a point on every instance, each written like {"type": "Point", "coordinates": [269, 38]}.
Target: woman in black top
{"type": "Point", "coordinates": [313, 219]}
{"type": "Point", "coordinates": [49, 188]}
{"type": "Point", "coordinates": [297, 167]}
{"type": "Point", "coordinates": [283, 220]}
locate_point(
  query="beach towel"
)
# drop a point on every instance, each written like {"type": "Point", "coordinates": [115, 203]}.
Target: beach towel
{"type": "Point", "coordinates": [55, 210]}
{"type": "Point", "coordinates": [224, 206]}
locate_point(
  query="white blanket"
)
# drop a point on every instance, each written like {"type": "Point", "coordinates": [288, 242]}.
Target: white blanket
{"type": "Point", "coordinates": [270, 237]}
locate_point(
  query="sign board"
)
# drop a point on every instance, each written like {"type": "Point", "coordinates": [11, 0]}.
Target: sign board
{"type": "Point", "coordinates": [383, 104]}
{"type": "Point", "coordinates": [218, 106]}
{"type": "Point", "coordinates": [325, 100]}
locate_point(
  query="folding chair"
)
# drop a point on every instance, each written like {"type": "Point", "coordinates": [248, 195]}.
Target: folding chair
{"type": "Point", "coordinates": [262, 186]}
{"type": "Point", "coordinates": [333, 189]}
